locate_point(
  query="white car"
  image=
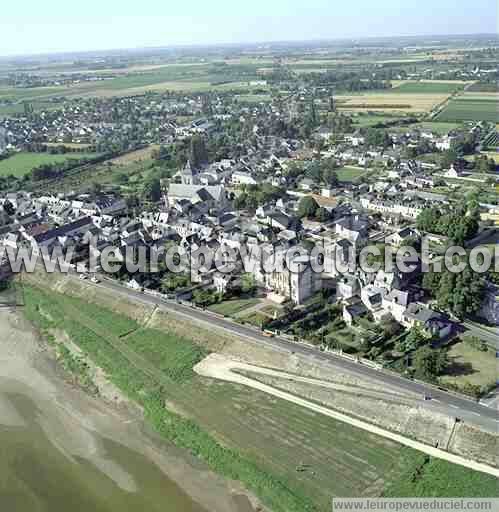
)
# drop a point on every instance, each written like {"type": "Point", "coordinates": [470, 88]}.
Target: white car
{"type": "Point", "coordinates": [95, 280]}
{"type": "Point", "coordinates": [83, 276]}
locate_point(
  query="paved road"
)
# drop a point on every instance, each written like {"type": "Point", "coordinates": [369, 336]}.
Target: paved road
{"type": "Point", "coordinates": [442, 401]}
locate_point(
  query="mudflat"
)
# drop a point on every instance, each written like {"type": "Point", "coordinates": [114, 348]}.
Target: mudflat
{"type": "Point", "coordinates": [59, 444]}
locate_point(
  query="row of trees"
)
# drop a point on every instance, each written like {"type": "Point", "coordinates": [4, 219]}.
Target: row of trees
{"type": "Point", "coordinates": [460, 294]}
{"type": "Point", "coordinates": [459, 223]}
{"type": "Point", "coordinates": [253, 196]}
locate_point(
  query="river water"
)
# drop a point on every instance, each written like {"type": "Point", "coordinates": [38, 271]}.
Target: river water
{"type": "Point", "coordinates": [37, 475]}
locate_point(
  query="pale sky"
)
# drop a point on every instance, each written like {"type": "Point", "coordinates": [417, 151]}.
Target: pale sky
{"type": "Point", "coordinates": [39, 26]}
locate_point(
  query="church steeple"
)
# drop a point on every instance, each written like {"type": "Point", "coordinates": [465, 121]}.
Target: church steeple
{"type": "Point", "coordinates": [189, 175]}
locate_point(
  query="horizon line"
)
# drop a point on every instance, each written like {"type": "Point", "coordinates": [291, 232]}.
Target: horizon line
{"type": "Point", "coordinates": [173, 46]}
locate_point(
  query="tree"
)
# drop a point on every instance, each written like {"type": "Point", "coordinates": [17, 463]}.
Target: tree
{"type": "Point", "coordinates": [415, 339]}
{"type": "Point", "coordinates": [429, 363]}
{"type": "Point", "coordinates": [248, 285]}
{"type": "Point", "coordinates": [459, 224]}
{"type": "Point", "coordinates": [9, 208]}
{"type": "Point", "coordinates": [376, 137]}
{"type": "Point", "coordinates": [307, 207]}
{"type": "Point", "coordinates": [467, 295]}
{"type": "Point", "coordinates": [241, 201]}
{"type": "Point", "coordinates": [174, 281]}
{"type": "Point", "coordinates": [428, 219]}
{"type": "Point", "coordinates": [152, 190]}
{"type": "Point", "coordinates": [198, 154]}
{"type": "Point", "coordinates": [390, 327]}
{"type": "Point", "coordinates": [485, 165]}
{"type": "Point", "coordinates": [330, 177]}
{"type": "Point", "coordinates": [460, 294]}
{"type": "Point", "coordinates": [205, 298]}
{"type": "Point", "coordinates": [449, 157]}
{"type": "Point", "coordinates": [95, 188]}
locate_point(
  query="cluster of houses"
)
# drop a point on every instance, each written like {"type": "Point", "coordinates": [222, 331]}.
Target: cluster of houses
{"type": "Point", "coordinates": [83, 121]}
{"type": "Point", "coordinates": [197, 212]}
{"type": "Point", "coordinates": [200, 219]}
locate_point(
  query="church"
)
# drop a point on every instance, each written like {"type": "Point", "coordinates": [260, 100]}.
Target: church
{"type": "Point", "coordinates": [189, 175]}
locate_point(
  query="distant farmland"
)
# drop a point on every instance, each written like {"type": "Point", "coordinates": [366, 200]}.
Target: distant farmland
{"type": "Point", "coordinates": [196, 76]}
{"type": "Point", "coordinates": [428, 88]}
{"type": "Point", "coordinates": [471, 107]}
{"type": "Point", "coordinates": [390, 102]}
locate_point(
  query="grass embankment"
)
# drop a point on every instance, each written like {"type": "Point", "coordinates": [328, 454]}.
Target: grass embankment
{"type": "Point", "coordinates": [240, 433]}
{"type": "Point", "coordinates": [175, 357]}
{"type": "Point", "coordinates": [438, 478]}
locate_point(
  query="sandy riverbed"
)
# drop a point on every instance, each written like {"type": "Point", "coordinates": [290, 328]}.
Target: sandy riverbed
{"type": "Point", "coordinates": [76, 423]}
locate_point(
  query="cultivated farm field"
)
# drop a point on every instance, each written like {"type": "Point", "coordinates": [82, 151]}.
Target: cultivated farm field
{"type": "Point", "coordinates": [193, 76]}
{"type": "Point", "coordinates": [431, 87]}
{"type": "Point", "coordinates": [391, 102]}
{"type": "Point", "coordinates": [472, 107]}
{"type": "Point", "coordinates": [135, 156]}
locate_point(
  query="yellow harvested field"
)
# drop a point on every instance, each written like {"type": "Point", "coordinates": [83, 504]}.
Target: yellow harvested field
{"type": "Point", "coordinates": [317, 62]}
{"type": "Point", "coordinates": [391, 102]}
{"type": "Point", "coordinates": [408, 59]}
{"type": "Point", "coordinates": [69, 145]}
{"type": "Point", "coordinates": [134, 156]}
{"type": "Point", "coordinates": [452, 82]}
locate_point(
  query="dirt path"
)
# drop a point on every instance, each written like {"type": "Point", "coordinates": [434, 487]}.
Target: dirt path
{"type": "Point", "coordinates": [217, 366]}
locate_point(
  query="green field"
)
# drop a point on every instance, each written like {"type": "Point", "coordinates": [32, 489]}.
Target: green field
{"type": "Point", "coordinates": [484, 87]}
{"type": "Point", "coordinates": [470, 366]}
{"type": "Point", "coordinates": [371, 120]}
{"type": "Point", "coordinates": [238, 432]}
{"type": "Point", "coordinates": [349, 174]}
{"type": "Point", "coordinates": [21, 164]}
{"type": "Point", "coordinates": [470, 109]}
{"type": "Point", "coordinates": [441, 128]}
{"type": "Point", "coordinates": [436, 478]}
{"type": "Point", "coordinates": [427, 88]}
{"type": "Point", "coordinates": [27, 94]}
